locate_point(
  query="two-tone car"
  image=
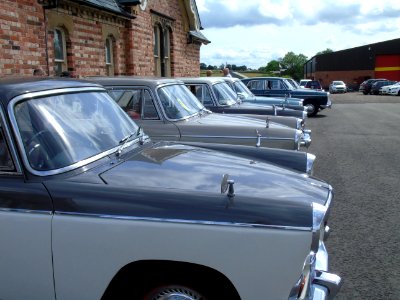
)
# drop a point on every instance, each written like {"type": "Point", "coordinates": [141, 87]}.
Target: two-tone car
{"type": "Point", "coordinates": [314, 100]}
{"type": "Point", "coordinates": [245, 95]}
{"type": "Point", "coordinates": [91, 208]}
{"type": "Point", "coordinates": [168, 110]}
{"type": "Point", "coordinates": [217, 95]}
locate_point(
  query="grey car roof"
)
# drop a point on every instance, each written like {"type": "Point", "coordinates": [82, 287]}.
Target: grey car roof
{"type": "Point", "coordinates": [211, 80]}
{"type": "Point", "coordinates": [133, 80]}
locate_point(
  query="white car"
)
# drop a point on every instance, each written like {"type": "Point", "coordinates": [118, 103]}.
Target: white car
{"type": "Point", "coordinates": [385, 89]}
{"type": "Point", "coordinates": [303, 82]}
{"type": "Point", "coordinates": [394, 90]}
{"type": "Point", "coordinates": [337, 86]}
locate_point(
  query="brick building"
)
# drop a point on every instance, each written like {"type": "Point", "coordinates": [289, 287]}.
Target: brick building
{"type": "Point", "coordinates": [100, 37]}
{"type": "Point", "coordinates": [353, 66]}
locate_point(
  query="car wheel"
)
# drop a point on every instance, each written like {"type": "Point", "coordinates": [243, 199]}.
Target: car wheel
{"type": "Point", "coordinates": [365, 93]}
{"type": "Point", "coordinates": [174, 292]}
{"type": "Point", "coordinates": [312, 109]}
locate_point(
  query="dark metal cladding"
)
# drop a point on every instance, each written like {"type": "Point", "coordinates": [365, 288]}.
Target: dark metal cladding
{"type": "Point", "coordinates": [16, 194]}
{"type": "Point", "coordinates": [187, 187]}
{"type": "Point", "coordinates": [176, 205]}
{"type": "Point", "coordinates": [295, 160]}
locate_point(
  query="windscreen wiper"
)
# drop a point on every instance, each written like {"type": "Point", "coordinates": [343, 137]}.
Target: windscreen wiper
{"type": "Point", "coordinates": [122, 142]}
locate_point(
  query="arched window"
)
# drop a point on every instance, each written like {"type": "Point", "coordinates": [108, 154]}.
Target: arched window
{"type": "Point", "coordinates": [60, 51]}
{"type": "Point", "coordinates": [109, 56]}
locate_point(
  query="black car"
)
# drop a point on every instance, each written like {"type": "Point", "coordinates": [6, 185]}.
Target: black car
{"type": "Point", "coordinates": [378, 84]}
{"type": "Point", "coordinates": [91, 208]}
{"type": "Point", "coordinates": [365, 87]}
{"type": "Point", "coordinates": [281, 87]}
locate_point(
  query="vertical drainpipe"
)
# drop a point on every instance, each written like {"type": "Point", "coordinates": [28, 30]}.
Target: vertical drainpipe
{"type": "Point", "coordinates": [45, 40]}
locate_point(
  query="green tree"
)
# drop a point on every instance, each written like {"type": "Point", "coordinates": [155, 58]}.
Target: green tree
{"type": "Point", "coordinates": [203, 66]}
{"type": "Point", "coordinates": [273, 65]}
{"type": "Point", "coordinates": [327, 50]}
{"type": "Point", "coordinates": [293, 65]}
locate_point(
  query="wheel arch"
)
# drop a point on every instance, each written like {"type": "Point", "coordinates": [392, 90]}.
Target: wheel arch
{"type": "Point", "coordinates": [138, 277]}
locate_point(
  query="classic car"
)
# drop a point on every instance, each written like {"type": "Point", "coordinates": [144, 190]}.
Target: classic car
{"type": "Point", "coordinates": [278, 87]}
{"type": "Point", "coordinates": [217, 95]}
{"type": "Point", "coordinates": [91, 208]}
{"type": "Point", "coordinates": [245, 95]}
{"type": "Point", "coordinates": [167, 110]}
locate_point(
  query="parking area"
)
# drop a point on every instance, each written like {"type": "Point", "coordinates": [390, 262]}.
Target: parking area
{"type": "Point", "coordinates": [357, 147]}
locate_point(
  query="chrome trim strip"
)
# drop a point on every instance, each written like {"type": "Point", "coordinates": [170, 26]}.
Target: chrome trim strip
{"type": "Point", "coordinates": [11, 145]}
{"type": "Point", "coordinates": [180, 221]}
{"type": "Point", "coordinates": [19, 139]}
{"type": "Point", "coordinates": [28, 211]}
{"type": "Point", "coordinates": [239, 137]}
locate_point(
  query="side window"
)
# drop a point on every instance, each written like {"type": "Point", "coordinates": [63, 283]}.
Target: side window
{"type": "Point", "coordinates": [256, 85]}
{"type": "Point", "coordinates": [129, 101]}
{"type": "Point", "coordinates": [6, 163]}
{"type": "Point", "coordinates": [202, 93]}
{"type": "Point", "coordinates": [149, 109]}
{"type": "Point", "coordinates": [274, 85]}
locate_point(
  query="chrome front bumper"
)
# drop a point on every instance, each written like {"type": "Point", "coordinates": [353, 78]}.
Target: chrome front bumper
{"type": "Point", "coordinates": [306, 138]}
{"type": "Point", "coordinates": [327, 105]}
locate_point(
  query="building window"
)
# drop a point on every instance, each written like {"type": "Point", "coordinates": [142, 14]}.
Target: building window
{"type": "Point", "coordinates": [109, 56]}
{"type": "Point", "coordinates": [60, 51]}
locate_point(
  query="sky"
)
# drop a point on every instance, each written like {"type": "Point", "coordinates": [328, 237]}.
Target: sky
{"type": "Point", "coordinates": [254, 32]}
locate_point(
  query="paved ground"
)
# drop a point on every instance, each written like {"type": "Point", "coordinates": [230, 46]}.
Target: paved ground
{"type": "Point", "coordinates": [357, 144]}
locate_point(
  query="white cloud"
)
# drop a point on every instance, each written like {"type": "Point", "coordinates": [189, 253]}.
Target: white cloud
{"type": "Point", "coordinates": [253, 32]}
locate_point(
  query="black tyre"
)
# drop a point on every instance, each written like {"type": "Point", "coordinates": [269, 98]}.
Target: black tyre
{"type": "Point", "coordinates": [312, 108]}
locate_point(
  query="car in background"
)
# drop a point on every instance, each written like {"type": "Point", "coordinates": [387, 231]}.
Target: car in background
{"type": "Point", "coordinates": [303, 82]}
{"type": "Point", "coordinates": [100, 211]}
{"type": "Point", "coordinates": [246, 96]}
{"type": "Point", "coordinates": [314, 85]}
{"type": "Point", "coordinates": [365, 86]}
{"type": "Point", "coordinates": [314, 100]}
{"type": "Point", "coordinates": [167, 110]}
{"type": "Point", "coordinates": [394, 90]}
{"type": "Point", "coordinates": [384, 90]}
{"type": "Point", "coordinates": [337, 86]}
{"type": "Point", "coordinates": [376, 86]}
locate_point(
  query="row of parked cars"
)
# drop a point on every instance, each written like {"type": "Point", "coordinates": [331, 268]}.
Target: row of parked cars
{"type": "Point", "coordinates": [189, 188]}
{"type": "Point", "coordinates": [380, 86]}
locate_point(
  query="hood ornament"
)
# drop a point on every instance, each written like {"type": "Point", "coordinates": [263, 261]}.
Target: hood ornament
{"type": "Point", "coordinates": [227, 185]}
{"type": "Point", "coordinates": [258, 143]}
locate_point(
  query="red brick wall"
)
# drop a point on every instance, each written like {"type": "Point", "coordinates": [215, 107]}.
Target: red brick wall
{"type": "Point", "coordinates": [351, 78]}
{"type": "Point", "coordinates": [23, 39]}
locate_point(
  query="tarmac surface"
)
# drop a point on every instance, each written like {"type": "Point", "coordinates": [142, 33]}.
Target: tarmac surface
{"type": "Point", "coordinates": [357, 144]}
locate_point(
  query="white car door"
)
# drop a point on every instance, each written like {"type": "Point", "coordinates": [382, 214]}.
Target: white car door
{"type": "Point", "coordinates": [26, 270]}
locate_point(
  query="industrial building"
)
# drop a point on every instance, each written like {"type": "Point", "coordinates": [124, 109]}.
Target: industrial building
{"type": "Point", "coordinates": [354, 65]}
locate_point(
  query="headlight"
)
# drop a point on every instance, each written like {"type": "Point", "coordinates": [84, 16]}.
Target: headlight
{"type": "Point", "coordinates": [318, 230]}
{"type": "Point", "coordinates": [310, 163]}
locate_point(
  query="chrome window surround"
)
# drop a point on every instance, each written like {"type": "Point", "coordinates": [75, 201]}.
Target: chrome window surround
{"type": "Point", "coordinates": [13, 120]}
{"type": "Point", "coordinates": [13, 152]}
{"type": "Point", "coordinates": [157, 99]}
